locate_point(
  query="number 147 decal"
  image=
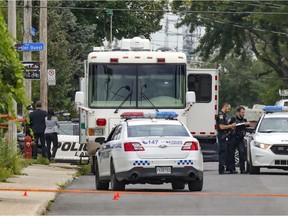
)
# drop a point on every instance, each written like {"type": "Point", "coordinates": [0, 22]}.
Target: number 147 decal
{"type": "Point", "coordinates": [150, 141]}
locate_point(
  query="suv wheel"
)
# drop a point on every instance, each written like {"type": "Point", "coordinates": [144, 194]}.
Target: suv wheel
{"type": "Point", "coordinates": [100, 185]}
{"type": "Point", "coordinates": [250, 168]}
{"type": "Point", "coordinates": [195, 185]}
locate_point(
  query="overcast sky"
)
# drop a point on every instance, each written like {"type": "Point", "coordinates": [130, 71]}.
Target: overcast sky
{"type": "Point", "coordinates": [159, 39]}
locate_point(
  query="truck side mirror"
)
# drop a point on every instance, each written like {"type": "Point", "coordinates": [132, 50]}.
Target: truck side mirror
{"type": "Point", "coordinates": [100, 140]}
{"type": "Point", "coordinates": [79, 98]}
{"type": "Point", "coordinates": [190, 98]}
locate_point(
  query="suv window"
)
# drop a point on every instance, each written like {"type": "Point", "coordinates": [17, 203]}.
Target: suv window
{"type": "Point", "coordinates": [156, 130]}
{"type": "Point", "coordinates": [271, 125]}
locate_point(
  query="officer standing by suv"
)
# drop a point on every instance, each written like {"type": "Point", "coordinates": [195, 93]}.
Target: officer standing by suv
{"type": "Point", "coordinates": [237, 139]}
{"type": "Point", "coordinates": [223, 131]}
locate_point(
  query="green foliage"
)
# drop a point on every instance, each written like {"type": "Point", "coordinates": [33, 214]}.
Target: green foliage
{"type": "Point", "coordinates": [73, 33]}
{"type": "Point", "coordinates": [11, 77]}
{"type": "Point", "coordinates": [230, 32]}
{"type": "Point", "coordinates": [83, 169]}
{"type": "Point", "coordinates": [248, 82]}
{"type": "Point", "coordinates": [9, 160]}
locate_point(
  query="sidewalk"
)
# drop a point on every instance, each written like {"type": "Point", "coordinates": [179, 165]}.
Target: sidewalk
{"type": "Point", "coordinates": [35, 178]}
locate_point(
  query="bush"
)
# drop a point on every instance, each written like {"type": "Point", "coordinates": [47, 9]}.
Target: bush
{"type": "Point", "coordinates": [9, 159]}
{"type": "Point", "coordinates": [83, 169]}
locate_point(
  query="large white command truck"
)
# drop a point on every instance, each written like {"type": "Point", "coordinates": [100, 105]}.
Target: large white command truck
{"type": "Point", "coordinates": [135, 78]}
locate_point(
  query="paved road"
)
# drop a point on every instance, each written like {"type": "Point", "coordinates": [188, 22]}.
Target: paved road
{"type": "Point", "coordinates": [264, 194]}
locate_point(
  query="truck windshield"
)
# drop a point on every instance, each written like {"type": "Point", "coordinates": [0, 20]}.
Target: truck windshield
{"type": "Point", "coordinates": [137, 86]}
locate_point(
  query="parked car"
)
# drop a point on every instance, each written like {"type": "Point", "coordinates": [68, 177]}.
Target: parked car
{"type": "Point", "coordinates": [69, 148]}
{"type": "Point", "coordinates": [267, 145]}
{"type": "Point", "coordinates": [149, 150]}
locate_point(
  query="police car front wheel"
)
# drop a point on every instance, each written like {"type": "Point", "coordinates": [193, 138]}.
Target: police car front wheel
{"type": "Point", "coordinates": [100, 185]}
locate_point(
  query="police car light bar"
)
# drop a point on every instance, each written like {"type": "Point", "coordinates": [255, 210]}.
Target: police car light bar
{"type": "Point", "coordinates": [275, 109]}
{"type": "Point", "coordinates": [169, 115]}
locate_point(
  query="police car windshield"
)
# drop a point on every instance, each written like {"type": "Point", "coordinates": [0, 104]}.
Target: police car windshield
{"type": "Point", "coordinates": [157, 130]}
{"type": "Point", "coordinates": [274, 125]}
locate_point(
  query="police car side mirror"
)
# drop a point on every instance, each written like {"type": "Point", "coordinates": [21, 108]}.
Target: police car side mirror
{"type": "Point", "coordinates": [100, 140]}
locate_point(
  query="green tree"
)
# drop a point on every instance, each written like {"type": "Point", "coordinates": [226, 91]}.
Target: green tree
{"type": "Point", "coordinates": [74, 27]}
{"type": "Point", "coordinates": [11, 77]}
{"type": "Point", "coordinates": [239, 28]}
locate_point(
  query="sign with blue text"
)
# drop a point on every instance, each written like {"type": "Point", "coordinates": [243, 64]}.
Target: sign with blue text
{"type": "Point", "coordinates": [31, 47]}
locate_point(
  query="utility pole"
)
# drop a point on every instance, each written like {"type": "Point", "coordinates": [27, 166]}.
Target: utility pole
{"type": "Point", "coordinates": [12, 138]}
{"type": "Point", "coordinates": [43, 54]}
{"type": "Point", "coordinates": [166, 40]}
{"type": "Point", "coordinates": [110, 12]}
{"type": "Point", "coordinates": [27, 56]}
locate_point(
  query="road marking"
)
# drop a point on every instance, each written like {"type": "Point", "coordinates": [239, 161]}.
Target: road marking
{"type": "Point", "coordinates": [146, 192]}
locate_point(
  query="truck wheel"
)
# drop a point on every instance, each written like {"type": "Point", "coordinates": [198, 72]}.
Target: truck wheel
{"type": "Point", "coordinates": [100, 185]}
{"type": "Point", "coordinates": [115, 184]}
{"type": "Point", "coordinates": [178, 185]}
{"type": "Point", "coordinates": [195, 185]}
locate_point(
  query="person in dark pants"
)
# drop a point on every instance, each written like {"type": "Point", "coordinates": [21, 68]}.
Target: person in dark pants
{"type": "Point", "coordinates": [51, 133]}
{"type": "Point", "coordinates": [223, 130]}
{"type": "Point", "coordinates": [37, 123]}
{"type": "Point", "coordinates": [237, 139]}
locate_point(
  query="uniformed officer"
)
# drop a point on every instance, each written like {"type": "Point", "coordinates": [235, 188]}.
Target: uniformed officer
{"type": "Point", "coordinates": [223, 129]}
{"type": "Point", "coordinates": [237, 139]}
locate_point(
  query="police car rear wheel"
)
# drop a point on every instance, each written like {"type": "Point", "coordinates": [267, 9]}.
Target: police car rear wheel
{"type": "Point", "coordinates": [115, 184]}
{"type": "Point", "coordinates": [195, 185]}
{"type": "Point", "coordinates": [178, 185]}
{"type": "Point", "coordinates": [100, 185]}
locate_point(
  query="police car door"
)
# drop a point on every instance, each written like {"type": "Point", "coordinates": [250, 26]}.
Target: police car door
{"type": "Point", "coordinates": [106, 149]}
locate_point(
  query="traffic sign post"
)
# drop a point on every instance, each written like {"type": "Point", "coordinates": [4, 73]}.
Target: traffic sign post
{"type": "Point", "coordinates": [51, 77]}
{"type": "Point", "coordinates": [31, 47]}
{"type": "Point", "coordinates": [31, 70]}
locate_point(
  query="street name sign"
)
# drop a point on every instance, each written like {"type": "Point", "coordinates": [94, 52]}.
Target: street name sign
{"type": "Point", "coordinates": [31, 47]}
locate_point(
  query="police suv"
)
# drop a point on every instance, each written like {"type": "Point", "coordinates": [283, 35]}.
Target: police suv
{"type": "Point", "coordinates": [267, 145]}
{"type": "Point", "coordinates": [153, 148]}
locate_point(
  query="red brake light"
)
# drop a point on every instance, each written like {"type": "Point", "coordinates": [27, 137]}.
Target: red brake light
{"type": "Point", "coordinates": [114, 60]}
{"type": "Point", "coordinates": [133, 146]}
{"type": "Point", "coordinates": [160, 60]}
{"type": "Point", "coordinates": [101, 122]}
{"type": "Point", "coordinates": [190, 146]}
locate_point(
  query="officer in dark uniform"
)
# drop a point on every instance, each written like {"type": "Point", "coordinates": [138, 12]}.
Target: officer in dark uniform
{"type": "Point", "coordinates": [223, 129]}
{"type": "Point", "coordinates": [237, 139]}
{"type": "Point", "coordinates": [37, 123]}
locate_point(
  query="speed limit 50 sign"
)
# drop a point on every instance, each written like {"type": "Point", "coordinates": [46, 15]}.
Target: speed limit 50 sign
{"type": "Point", "coordinates": [51, 77]}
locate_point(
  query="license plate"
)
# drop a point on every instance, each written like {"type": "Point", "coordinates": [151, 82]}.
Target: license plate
{"type": "Point", "coordinates": [163, 170]}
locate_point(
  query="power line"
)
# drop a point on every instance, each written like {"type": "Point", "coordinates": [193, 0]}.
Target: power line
{"type": "Point", "coordinates": [165, 11]}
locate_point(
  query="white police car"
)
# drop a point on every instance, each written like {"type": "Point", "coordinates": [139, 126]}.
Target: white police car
{"type": "Point", "coordinates": [152, 150]}
{"type": "Point", "coordinates": [267, 146]}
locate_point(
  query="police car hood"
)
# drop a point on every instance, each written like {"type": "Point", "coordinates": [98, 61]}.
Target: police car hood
{"type": "Point", "coordinates": [272, 138]}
